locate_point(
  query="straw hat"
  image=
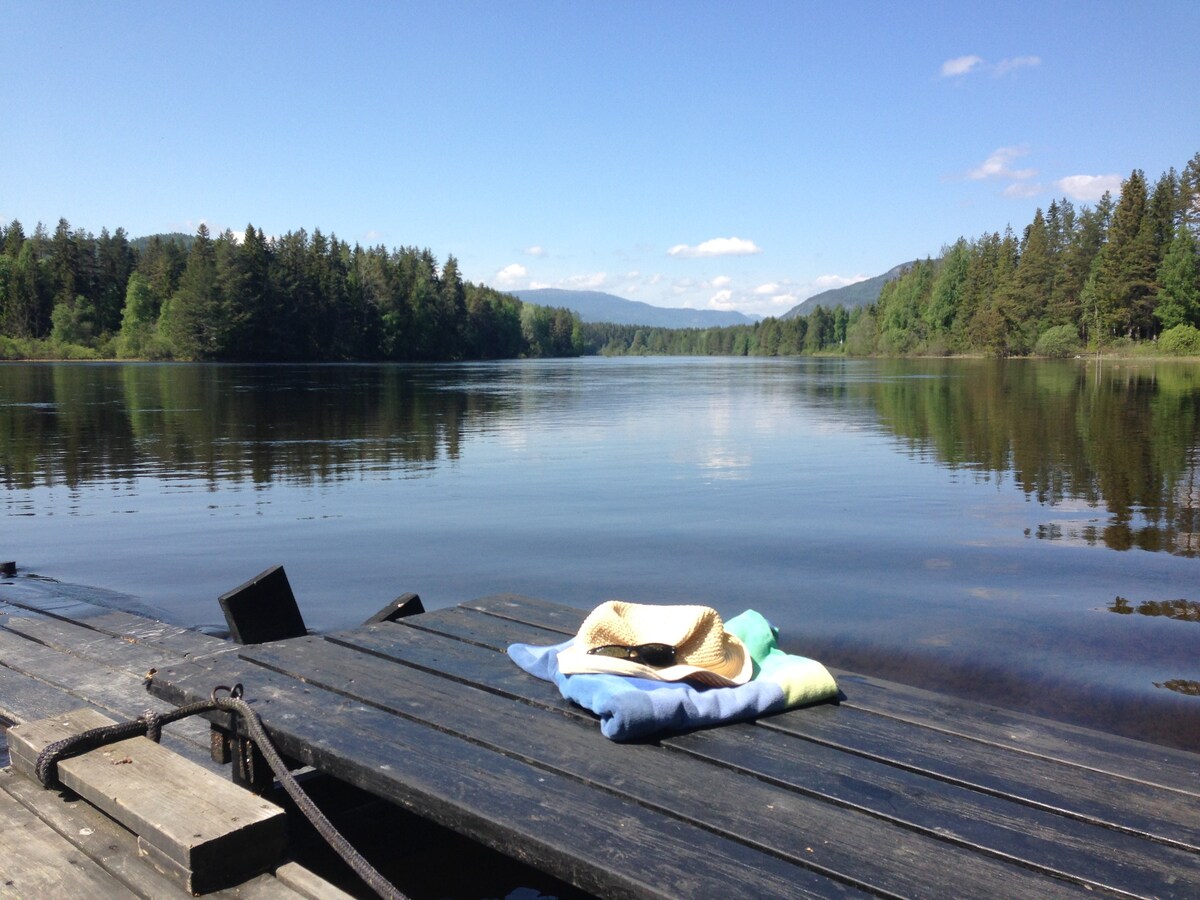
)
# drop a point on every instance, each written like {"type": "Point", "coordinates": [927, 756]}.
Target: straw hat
{"type": "Point", "coordinates": [703, 650]}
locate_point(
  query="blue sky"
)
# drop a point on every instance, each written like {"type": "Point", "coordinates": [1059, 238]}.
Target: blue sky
{"type": "Point", "coordinates": [713, 155]}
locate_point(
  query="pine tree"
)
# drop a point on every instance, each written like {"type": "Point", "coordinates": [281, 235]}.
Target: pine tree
{"type": "Point", "coordinates": [948, 284]}
{"type": "Point", "coordinates": [995, 327]}
{"type": "Point", "coordinates": [253, 298]}
{"type": "Point", "coordinates": [162, 263]}
{"type": "Point", "coordinates": [64, 263]}
{"type": "Point", "coordinates": [1162, 213]}
{"type": "Point", "coordinates": [12, 239]}
{"type": "Point", "coordinates": [1179, 280]}
{"type": "Point", "coordinates": [190, 319]}
{"type": "Point", "coordinates": [31, 297]}
{"type": "Point", "coordinates": [451, 311]}
{"type": "Point", "coordinates": [1189, 194]}
{"type": "Point", "coordinates": [1124, 281]}
{"type": "Point", "coordinates": [1034, 278]}
{"type": "Point", "coordinates": [115, 261]}
{"type": "Point", "coordinates": [1063, 306]}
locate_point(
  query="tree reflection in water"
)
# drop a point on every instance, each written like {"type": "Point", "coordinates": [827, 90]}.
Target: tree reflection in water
{"type": "Point", "coordinates": [1075, 437]}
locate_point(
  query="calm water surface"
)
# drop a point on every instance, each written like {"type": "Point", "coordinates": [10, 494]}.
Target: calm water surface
{"type": "Point", "coordinates": [1026, 532]}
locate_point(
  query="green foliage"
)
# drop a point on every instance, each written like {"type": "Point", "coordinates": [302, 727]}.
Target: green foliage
{"type": "Point", "coordinates": [551, 332]}
{"type": "Point", "coordinates": [72, 322]}
{"type": "Point", "coordinates": [1182, 340]}
{"type": "Point", "coordinates": [1113, 274]}
{"type": "Point", "coordinates": [139, 319]}
{"type": "Point", "coordinates": [861, 335]}
{"type": "Point", "coordinates": [13, 348]}
{"type": "Point", "coordinates": [296, 297]}
{"type": "Point", "coordinates": [1125, 267]}
{"type": "Point", "coordinates": [1058, 341]}
{"type": "Point", "coordinates": [1179, 277]}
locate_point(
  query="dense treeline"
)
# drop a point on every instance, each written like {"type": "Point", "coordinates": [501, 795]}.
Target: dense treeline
{"type": "Point", "coordinates": [296, 297]}
{"type": "Point", "coordinates": [819, 331]}
{"type": "Point", "coordinates": [1124, 271]}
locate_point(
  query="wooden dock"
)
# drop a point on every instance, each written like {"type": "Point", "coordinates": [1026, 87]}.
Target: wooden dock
{"type": "Point", "coordinates": [892, 791]}
{"type": "Point", "coordinates": [61, 657]}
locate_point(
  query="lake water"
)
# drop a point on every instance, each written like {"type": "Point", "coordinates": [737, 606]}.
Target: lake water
{"type": "Point", "coordinates": [1026, 533]}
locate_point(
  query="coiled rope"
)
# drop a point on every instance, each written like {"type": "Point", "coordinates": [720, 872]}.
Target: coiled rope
{"type": "Point", "coordinates": [227, 699]}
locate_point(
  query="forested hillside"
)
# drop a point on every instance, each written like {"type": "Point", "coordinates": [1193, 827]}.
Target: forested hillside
{"type": "Point", "coordinates": [297, 297]}
{"type": "Point", "coordinates": [1124, 272]}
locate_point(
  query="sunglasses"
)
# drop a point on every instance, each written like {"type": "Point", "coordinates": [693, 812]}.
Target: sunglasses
{"type": "Point", "coordinates": [654, 655]}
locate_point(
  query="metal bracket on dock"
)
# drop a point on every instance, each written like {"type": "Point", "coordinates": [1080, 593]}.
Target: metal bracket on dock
{"type": "Point", "coordinates": [250, 768]}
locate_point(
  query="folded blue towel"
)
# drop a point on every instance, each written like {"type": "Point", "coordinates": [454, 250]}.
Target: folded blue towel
{"type": "Point", "coordinates": [631, 708]}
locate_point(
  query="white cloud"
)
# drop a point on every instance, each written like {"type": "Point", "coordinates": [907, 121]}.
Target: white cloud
{"type": "Point", "coordinates": [585, 282]}
{"type": "Point", "coordinates": [768, 298]}
{"type": "Point", "coordinates": [965, 65]}
{"type": "Point", "coordinates": [510, 276]}
{"type": "Point", "coordinates": [730, 246]}
{"type": "Point", "coordinates": [535, 250]}
{"type": "Point", "coordinates": [1022, 189]}
{"type": "Point", "coordinates": [1089, 187]}
{"type": "Point", "coordinates": [999, 165]}
{"type": "Point", "coordinates": [1017, 62]}
{"type": "Point", "coordinates": [960, 65]}
{"type": "Point", "coordinates": [829, 282]}
{"type": "Point", "coordinates": [682, 286]}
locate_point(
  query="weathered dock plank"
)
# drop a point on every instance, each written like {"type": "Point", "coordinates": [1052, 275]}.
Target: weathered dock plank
{"type": "Point", "coordinates": [734, 799]}
{"type": "Point", "coordinates": [1081, 747]}
{"type": "Point", "coordinates": [860, 795]}
{"type": "Point", "coordinates": [57, 651]}
{"type": "Point", "coordinates": [113, 652]}
{"type": "Point", "coordinates": [204, 830]}
{"type": "Point", "coordinates": [85, 833]}
{"type": "Point", "coordinates": [1005, 826]}
{"type": "Point", "coordinates": [536, 815]}
{"type": "Point", "coordinates": [37, 861]}
{"type": "Point", "coordinates": [24, 698]}
{"type": "Point", "coordinates": [1114, 754]}
{"type": "Point", "coordinates": [873, 783]}
{"type": "Point", "coordinates": [116, 691]}
{"type": "Point", "coordinates": [892, 791]}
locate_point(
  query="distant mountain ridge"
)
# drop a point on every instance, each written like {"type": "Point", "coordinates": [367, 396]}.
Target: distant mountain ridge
{"type": "Point", "coordinates": [597, 306]}
{"type": "Point", "coordinates": [852, 296]}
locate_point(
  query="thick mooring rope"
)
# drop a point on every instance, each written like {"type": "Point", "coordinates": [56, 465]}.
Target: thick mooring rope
{"type": "Point", "coordinates": [150, 724]}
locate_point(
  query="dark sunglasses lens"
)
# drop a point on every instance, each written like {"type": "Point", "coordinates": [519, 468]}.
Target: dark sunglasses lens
{"type": "Point", "coordinates": [617, 651]}
{"type": "Point", "coordinates": [656, 655]}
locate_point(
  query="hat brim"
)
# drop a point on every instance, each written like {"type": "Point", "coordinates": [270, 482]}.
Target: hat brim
{"type": "Point", "coordinates": [738, 667]}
